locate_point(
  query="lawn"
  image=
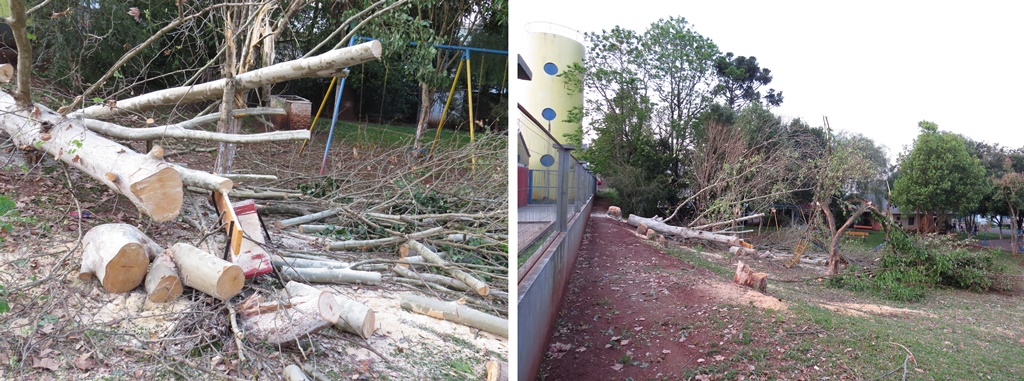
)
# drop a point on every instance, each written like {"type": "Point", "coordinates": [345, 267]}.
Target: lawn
{"type": "Point", "coordinates": [389, 136]}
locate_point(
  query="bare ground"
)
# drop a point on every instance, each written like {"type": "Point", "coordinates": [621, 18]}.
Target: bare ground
{"type": "Point", "coordinates": [636, 311]}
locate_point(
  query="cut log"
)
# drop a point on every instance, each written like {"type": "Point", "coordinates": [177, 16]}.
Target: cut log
{"type": "Point", "coordinates": [355, 317]}
{"type": "Point", "coordinates": [147, 181]}
{"type": "Point", "coordinates": [306, 309]}
{"type": "Point", "coordinates": [324, 65]}
{"type": "Point", "coordinates": [207, 273]}
{"type": "Point", "coordinates": [477, 285]}
{"type": "Point", "coordinates": [6, 73]}
{"type": "Point", "coordinates": [497, 370]}
{"type": "Point", "coordinates": [455, 312]}
{"type": "Point", "coordinates": [664, 228]}
{"type": "Point", "coordinates": [747, 277]}
{"type": "Point", "coordinates": [162, 282]}
{"type": "Point", "coordinates": [281, 262]}
{"type": "Point", "coordinates": [615, 212]}
{"type": "Point", "coordinates": [203, 179]}
{"type": "Point", "coordinates": [118, 254]}
{"type": "Point", "coordinates": [739, 251]}
{"type": "Point", "coordinates": [333, 276]}
{"type": "Point", "coordinates": [641, 230]}
{"type": "Point", "coordinates": [448, 282]}
{"type": "Point", "coordinates": [294, 373]}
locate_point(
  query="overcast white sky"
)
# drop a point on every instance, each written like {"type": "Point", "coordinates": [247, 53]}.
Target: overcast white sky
{"type": "Point", "coordinates": [876, 68]}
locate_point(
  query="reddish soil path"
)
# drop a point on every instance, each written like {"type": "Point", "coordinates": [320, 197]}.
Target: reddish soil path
{"type": "Point", "coordinates": [632, 311]}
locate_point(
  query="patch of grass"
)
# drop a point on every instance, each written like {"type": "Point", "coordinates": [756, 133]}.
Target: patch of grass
{"type": "Point", "coordinates": [694, 257]}
{"type": "Point", "coordinates": [366, 134]}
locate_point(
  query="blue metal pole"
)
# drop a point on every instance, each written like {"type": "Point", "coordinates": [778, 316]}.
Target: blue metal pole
{"type": "Point", "coordinates": [334, 118]}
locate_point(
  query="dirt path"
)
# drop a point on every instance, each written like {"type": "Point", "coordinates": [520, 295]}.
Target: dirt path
{"type": "Point", "coordinates": [634, 311]}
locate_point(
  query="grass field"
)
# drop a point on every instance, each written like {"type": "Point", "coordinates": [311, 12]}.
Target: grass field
{"type": "Point", "coordinates": [389, 136]}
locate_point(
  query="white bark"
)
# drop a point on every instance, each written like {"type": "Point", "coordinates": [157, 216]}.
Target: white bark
{"type": "Point", "coordinates": [117, 254]}
{"type": "Point", "coordinates": [294, 373]}
{"type": "Point", "coordinates": [147, 181]}
{"type": "Point", "coordinates": [371, 243]}
{"type": "Point", "coordinates": [324, 65]}
{"type": "Point", "coordinates": [307, 218]}
{"type": "Point", "coordinates": [477, 285]}
{"type": "Point", "coordinates": [335, 276]}
{"type": "Point", "coordinates": [172, 131]}
{"type": "Point", "coordinates": [448, 282]}
{"type": "Point", "coordinates": [203, 179]}
{"type": "Point", "coordinates": [355, 317]}
{"type": "Point", "coordinates": [454, 312]}
{"type": "Point", "coordinates": [664, 228]}
{"type": "Point", "coordinates": [207, 273]}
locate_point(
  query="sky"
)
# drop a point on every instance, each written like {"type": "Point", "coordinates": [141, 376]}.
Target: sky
{"type": "Point", "coordinates": [874, 68]}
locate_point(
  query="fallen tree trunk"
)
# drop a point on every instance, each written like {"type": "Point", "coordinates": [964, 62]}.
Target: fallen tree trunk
{"type": "Point", "coordinates": [664, 228]}
{"type": "Point", "coordinates": [117, 254]}
{"type": "Point", "coordinates": [306, 310]}
{"type": "Point", "coordinates": [162, 281]}
{"type": "Point", "coordinates": [207, 273]}
{"type": "Point", "coordinates": [203, 179]}
{"type": "Point", "coordinates": [326, 275]}
{"type": "Point", "coordinates": [150, 183]}
{"type": "Point", "coordinates": [448, 282]}
{"type": "Point", "coordinates": [173, 131]}
{"type": "Point", "coordinates": [741, 219]}
{"type": "Point", "coordinates": [477, 285]}
{"type": "Point", "coordinates": [325, 65]}
{"type": "Point", "coordinates": [454, 312]}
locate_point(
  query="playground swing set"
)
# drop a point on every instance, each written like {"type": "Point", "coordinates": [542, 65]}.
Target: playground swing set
{"type": "Point", "coordinates": [463, 61]}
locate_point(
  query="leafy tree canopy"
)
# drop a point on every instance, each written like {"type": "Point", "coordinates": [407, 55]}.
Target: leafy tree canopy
{"type": "Point", "coordinates": [938, 175]}
{"type": "Point", "coordinates": [740, 79]}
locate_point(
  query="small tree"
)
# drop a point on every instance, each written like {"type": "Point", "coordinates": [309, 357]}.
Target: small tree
{"type": "Point", "coordinates": [939, 176]}
{"type": "Point", "coordinates": [1009, 189]}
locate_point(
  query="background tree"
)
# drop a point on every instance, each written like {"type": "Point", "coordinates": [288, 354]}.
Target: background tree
{"type": "Point", "coordinates": [938, 176]}
{"type": "Point", "coordinates": [740, 79]}
{"type": "Point", "coordinates": [1009, 190]}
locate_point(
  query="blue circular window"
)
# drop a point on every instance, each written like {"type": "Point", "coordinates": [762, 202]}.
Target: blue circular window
{"type": "Point", "coordinates": [551, 68]}
{"type": "Point", "coordinates": [548, 114]}
{"type": "Point", "coordinates": [547, 160]}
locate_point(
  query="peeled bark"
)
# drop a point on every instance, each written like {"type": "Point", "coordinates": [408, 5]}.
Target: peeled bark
{"type": "Point", "coordinates": [325, 65]}
{"type": "Point", "coordinates": [664, 228]}
{"type": "Point", "coordinates": [150, 183]}
{"type": "Point", "coordinates": [117, 254]}
{"type": "Point", "coordinates": [454, 312]}
{"type": "Point", "coordinates": [207, 273]}
{"type": "Point", "coordinates": [306, 310]}
{"type": "Point", "coordinates": [162, 281]}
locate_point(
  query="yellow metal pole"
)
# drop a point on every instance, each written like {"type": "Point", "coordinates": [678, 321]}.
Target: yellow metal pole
{"type": "Point", "coordinates": [445, 111]}
{"type": "Point", "coordinates": [469, 96]}
{"type": "Point", "coordinates": [324, 102]}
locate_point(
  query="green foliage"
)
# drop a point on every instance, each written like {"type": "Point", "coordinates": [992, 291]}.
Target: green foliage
{"type": "Point", "coordinates": [739, 81]}
{"type": "Point", "coordinates": [912, 266]}
{"type": "Point", "coordinates": [939, 175]}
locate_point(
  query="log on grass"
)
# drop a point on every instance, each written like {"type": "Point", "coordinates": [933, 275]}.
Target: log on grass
{"type": "Point", "coordinates": [333, 276]}
{"type": "Point", "coordinates": [747, 277]}
{"type": "Point", "coordinates": [207, 273]}
{"type": "Point", "coordinates": [150, 183]}
{"type": "Point", "coordinates": [328, 64]}
{"type": "Point", "coordinates": [455, 312]}
{"type": "Point", "coordinates": [664, 228]}
{"type": "Point", "coordinates": [117, 254]}
{"type": "Point", "coordinates": [304, 309]}
{"type": "Point", "coordinates": [162, 281]}
{"type": "Point", "coordinates": [477, 285]}
{"type": "Point", "coordinates": [742, 251]}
